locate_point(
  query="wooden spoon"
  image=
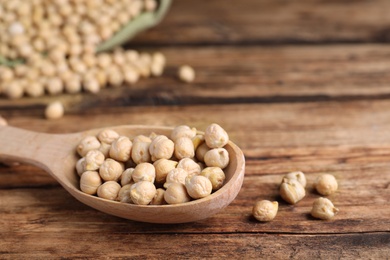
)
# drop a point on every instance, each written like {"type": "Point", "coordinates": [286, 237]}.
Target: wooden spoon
{"type": "Point", "coordinates": [56, 154]}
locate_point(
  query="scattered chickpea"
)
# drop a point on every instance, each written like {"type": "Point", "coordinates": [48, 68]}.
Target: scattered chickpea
{"type": "Point", "coordinates": [215, 136]}
{"type": "Point", "coordinates": [217, 157]}
{"type": "Point", "coordinates": [215, 175]}
{"type": "Point", "coordinates": [291, 190]}
{"type": "Point", "coordinates": [176, 193]}
{"type": "Point", "coordinates": [326, 184]}
{"type": "Point", "coordinates": [144, 172]}
{"type": "Point", "coordinates": [54, 110]}
{"type": "Point", "coordinates": [89, 182]}
{"type": "Point", "coordinates": [265, 210]}
{"type": "Point", "coordinates": [143, 192]}
{"type": "Point", "coordinates": [324, 209]}
{"type": "Point", "coordinates": [109, 190]}
{"type": "Point", "coordinates": [111, 170]}
{"type": "Point", "coordinates": [299, 176]}
{"type": "Point", "coordinates": [121, 148]}
{"type": "Point", "coordinates": [198, 186]}
{"type": "Point", "coordinates": [186, 74]}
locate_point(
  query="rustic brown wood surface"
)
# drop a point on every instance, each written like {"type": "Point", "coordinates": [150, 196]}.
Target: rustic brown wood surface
{"type": "Point", "coordinates": [300, 85]}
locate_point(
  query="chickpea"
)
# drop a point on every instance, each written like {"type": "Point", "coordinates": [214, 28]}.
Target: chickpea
{"type": "Point", "coordinates": [13, 89]}
{"type": "Point", "coordinates": [184, 148]}
{"type": "Point", "coordinates": [198, 186]}
{"type": "Point", "coordinates": [54, 86]}
{"type": "Point", "coordinates": [291, 190]}
{"type": "Point", "coordinates": [126, 177]}
{"type": "Point", "coordinates": [265, 210]}
{"type": "Point", "coordinates": [87, 144]}
{"type": "Point", "coordinates": [121, 149]}
{"type": "Point", "coordinates": [324, 209]}
{"type": "Point", "coordinates": [124, 194]}
{"type": "Point", "coordinates": [93, 160]}
{"type": "Point", "coordinates": [197, 140]}
{"type": "Point", "coordinates": [190, 166]}
{"type": "Point", "coordinates": [143, 192]}
{"type": "Point", "coordinates": [161, 148]}
{"type": "Point", "coordinates": [182, 131]}
{"type": "Point", "coordinates": [80, 166]}
{"type": "Point", "coordinates": [176, 175]}
{"type": "Point", "coordinates": [176, 193]}
{"type": "Point", "coordinates": [217, 157]}
{"type": "Point", "coordinates": [109, 190]}
{"type": "Point", "coordinates": [163, 167]}
{"type": "Point", "coordinates": [54, 110]}
{"type": "Point", "coordinates": [144, 172]}
{"type": "Point", "coordinates": [35, 89]}
{"type": "Point", "coordinates": [326, 184]}
{"type": "Point", "coordinates": [186, 74]}
{"type": "Point", "coordinates": [299, 176]}
{"type": "Point", "coordinates": [111, 170]}
{"type": "Point", "coordinates": [158, 199]}
{"type": "Point", "coordinates": [89, 182]}
{"type": "Point", "coordinates": [108, 136]}
{"type": "Point", "coordinates": [105, 149]}
{"type": "Point", "coordinates": [215, 175]}
{"type": "Point", "coordinates": [215, 136]}
{"type": "Point", "coordinates": [201, 151]}
{"type": "Point", "coordinates": [140, 151]}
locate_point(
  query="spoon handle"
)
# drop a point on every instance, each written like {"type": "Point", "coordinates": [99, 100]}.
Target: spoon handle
{"type": "Point", "coordinates": [39, 149]}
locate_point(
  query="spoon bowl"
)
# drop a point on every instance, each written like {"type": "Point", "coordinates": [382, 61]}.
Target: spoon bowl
{"type": "Point", "coordinates": [56, 154]}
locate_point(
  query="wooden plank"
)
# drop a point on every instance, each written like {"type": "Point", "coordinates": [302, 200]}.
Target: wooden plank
{"type": "Point", "coordinates": [231, 75]}
{"type": "Point", "coordinates": [206, 246]}
{"type": "Point", "coordinates": [269, 22]}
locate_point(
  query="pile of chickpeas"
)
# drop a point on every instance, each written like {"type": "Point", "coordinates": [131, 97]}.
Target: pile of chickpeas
{"type": "Point", "coordinates": [57, 41]}
{"type": "Point", "coordinates": [154, 169]}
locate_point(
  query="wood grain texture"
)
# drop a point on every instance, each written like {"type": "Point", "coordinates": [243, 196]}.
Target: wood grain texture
{"type": "Point", "coordinates": [271, 22]}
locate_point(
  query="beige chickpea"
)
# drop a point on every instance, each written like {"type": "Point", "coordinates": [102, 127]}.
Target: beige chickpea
{"type": "Point", "coordinates": [184, 148]}
{"type": "Point", "coordinates": [215, 175]}
{"type": "Point", "coordinates": [126, 177]}
{"type": "Point", "coordinates": [215, 136]}
{"type": "Point", "coordinates": [87, 144]}
{"type": "Point", "coordinates": [326, 184]}
{"type": "Point", "coordinates": [115, 76]}
{"type": "Point", "coordinates": [13, 89]}
{"type": "Point", "coordinates": [176, 175]}
{"type": "Point", "coordinates": [130, 75]}
{"type": "Point", "coordinates": [163, 167]}
{"type": "Point", "coordinates": [182, 131]}
{"type": "Point", "coordinates": [111, 170]}
{"type": "Point", "coordinates": [201, 151]}
{"type": "Point", "coordinates": [292, 191]}
{"type": "Point", "coordinates": [161, 148]}
{"type": "Point", "coordinates": [142, 193]}
{"type": "Point", "coordinates": [89, 182]}
{"type": "Point", "coordinates": [109, 190]}
{"type": "Point", "coordinates": [121, 149]}
{"type": "Point", "coordinates": [107, 136]}
{"type": "Point", "coordinates": [324, 209]}
{"type": "Point", "coordinates": [217, 157]}
{"type": "Point", "coordinates": [190, 166]}
{"type": "Point", "coordinates": [54, 110]}
{"type": "Point", "coordinates": [140, 151]}
{"type": "Point", "coordinates": [35, 89]}
{"type": "Point", "coordinates": [80, 166]}
{"type": "Point", "coordinates": [158, 199]}
{"type": "Point", "coordinates": [176, 193]}
{"type": "Point", "coordinates": [265, 210]}
{"type": "Point", "coordinates": [144, 172]}
{"type": "Point", "coordinates": [54, 86]}
{"type": "Point", "coordinates": [124, 194]}
{"type": "Point", "coordinates": [73, 84]}
{"type": "Point", "coordinates": [6, 74]}
{"type": "Point", "coordinates": [197, 140]}
{"type": "Point", "coordinates": [93, 160]}
{"type": "Point", "coordinates": [105, 149]}
{"type": "Point", "coordinates": [186, 74]}
{"type": "Point", "coordinates": [198, 186]}
{"type": "Point", "coordinates": [299, 176]}
{"type": "Point", "coordinates": [91, 86]}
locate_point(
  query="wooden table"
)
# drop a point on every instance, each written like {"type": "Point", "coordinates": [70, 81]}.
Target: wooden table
{"type": "Point", "coordinates": [298, 85]}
